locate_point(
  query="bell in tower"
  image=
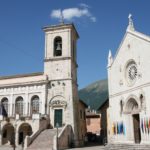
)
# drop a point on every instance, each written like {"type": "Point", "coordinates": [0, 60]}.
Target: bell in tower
{"type": "Point", "coordinates": [58, 47]}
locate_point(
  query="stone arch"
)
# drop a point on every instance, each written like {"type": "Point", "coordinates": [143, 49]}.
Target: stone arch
{"type": "Point", "coordinates": [58, 46]}
{"type": "Point", "coordinates": [35, 103]}
{"type": "Point", "coordinates": [57, 106]}
{"type": "Point", "coordinates": [19, 105]}
{"type": "Point", "coordinates": [25, 129]}
{"type": "Point", "coordinates": [4, 103]}
{"type": "Point", "coordinates": [132, 105]}
{"type": "Point", "coordinates": [8, 134]}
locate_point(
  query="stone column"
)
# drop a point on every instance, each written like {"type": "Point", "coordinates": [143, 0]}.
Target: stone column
{"type": "Point", "coordinates": [10, 107]}
{"type": "Point", "coordinates": [43, 100]}
{"type": "Point", "coordinates": [26, 105]}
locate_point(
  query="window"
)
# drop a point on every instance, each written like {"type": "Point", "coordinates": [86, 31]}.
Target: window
{"type": "Point", "coordinates": [58, 46]}
{"type": "Point", "coordinates": [5, 104]}
{"type": "Point", "coordinates": [131, 72]}
{"type": "Point", "coordinates": [35, 104]}
{"type": "Point", "coordinates": [81, 114]}
{"type": "Point", "coordinates": [19, 105]}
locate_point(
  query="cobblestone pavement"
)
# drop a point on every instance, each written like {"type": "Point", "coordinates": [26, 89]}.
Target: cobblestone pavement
{"type": "Point", "coordinates": [89, 148]}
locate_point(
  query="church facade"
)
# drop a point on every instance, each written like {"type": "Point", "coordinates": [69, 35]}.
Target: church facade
{"type": "Point", "coordinates": [129, 86]}
{"type": "Point", "coordinates": [33, 102]}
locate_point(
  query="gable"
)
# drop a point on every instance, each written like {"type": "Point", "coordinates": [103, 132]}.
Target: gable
{"type": "Point", "coordinates": [134, 47]}
{"type": "Point", "coordinates": [132, 44]}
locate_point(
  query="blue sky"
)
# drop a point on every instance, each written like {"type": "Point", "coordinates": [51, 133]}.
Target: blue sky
{"type": "Point", "coordinates": [101, 25]}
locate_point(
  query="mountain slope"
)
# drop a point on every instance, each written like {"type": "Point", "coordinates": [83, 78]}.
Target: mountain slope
{"type": "Point", "coordinates": [95, 94]}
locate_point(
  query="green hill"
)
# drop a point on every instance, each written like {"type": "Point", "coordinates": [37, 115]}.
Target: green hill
{"type": "Point", "coordinates": [95, 94]}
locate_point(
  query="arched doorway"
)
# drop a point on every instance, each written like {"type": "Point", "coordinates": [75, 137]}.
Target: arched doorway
{"type": "Point", "coordinates": [24, 130]}
{"type": "Point", "coordinates": [57, 106]}
{"type": "Point", "coordinates": [133, 108]}
{"type": "Point", "coordinates": [8, 134]}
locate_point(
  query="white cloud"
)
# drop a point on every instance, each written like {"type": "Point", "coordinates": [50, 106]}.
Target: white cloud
{"type": "Point", "coordinates": [71, 13]}
{"type": "Point", "coordinates": [84, 5]}
{"type": "Point", "coordinates": [56, 13]}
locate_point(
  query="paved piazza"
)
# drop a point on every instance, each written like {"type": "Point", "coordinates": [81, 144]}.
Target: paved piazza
{"type": "Point", "coordinates": [89, 148]}
{"type": "Point", "coordinates": [83, 148]}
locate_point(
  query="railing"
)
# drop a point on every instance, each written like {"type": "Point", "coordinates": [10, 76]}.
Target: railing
{"type": "Point", "coordinates": [42, 126]}
{"type": "Point", "coordinates": [30, 139]}
{"type": "Point", "coordinates": [64, 139]}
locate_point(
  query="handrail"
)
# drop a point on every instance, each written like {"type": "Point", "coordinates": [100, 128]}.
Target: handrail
{"type": "Point", "coordinates": [64, 138]}
{"type": "Point", "coordinates": [30, 139]}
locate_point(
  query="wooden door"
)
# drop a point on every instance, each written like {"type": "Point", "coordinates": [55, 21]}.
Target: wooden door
{"type": "Point", "coordinates": [58, 117]}
{"type": "Point", "coordinates": [136, 125]}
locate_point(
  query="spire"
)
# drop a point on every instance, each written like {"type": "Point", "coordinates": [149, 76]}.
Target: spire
{"type": "Point", "coordinates": [131, 25]}
{"type": "Point", "coordinates": [110, 59]}
{"type": "Point", "coordinates": [109, 54]}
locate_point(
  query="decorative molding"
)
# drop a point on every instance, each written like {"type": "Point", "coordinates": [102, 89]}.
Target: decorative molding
{"type": "Point", "coordinates": [42, 82]}
{"type": "Point", "coordinates": [130, 90]}
{"type": "Point", "coordinates": [58, 103]}
{"type": "Point", "coordinates": [56, 58]}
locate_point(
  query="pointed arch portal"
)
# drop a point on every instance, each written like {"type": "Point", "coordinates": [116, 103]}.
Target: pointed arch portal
{"type": "Point", "coordinates": [132, 107]}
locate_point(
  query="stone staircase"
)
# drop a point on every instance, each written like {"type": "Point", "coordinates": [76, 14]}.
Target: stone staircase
{"type": "Point", "coordinates": [127, 147]}
{"type": "Point", "coordinates": [9, 147]}
{"type": "Point", "coordinates": [44, 141]}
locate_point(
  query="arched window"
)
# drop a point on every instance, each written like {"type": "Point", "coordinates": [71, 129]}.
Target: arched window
{"type": "Point", "coordinates": [35, 104]}
{"type": "Point", "coordinates": [4, 103]}
{"type": "Point", "coordinates": [19, 105]}
{"type": "Point", "coordinates": [58, 46]}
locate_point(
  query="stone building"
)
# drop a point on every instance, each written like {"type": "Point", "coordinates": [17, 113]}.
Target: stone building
{"type": "Point", "coordinates": [93, 120]}
{"type": "Point", "coordinates": [31, 103]}
{"type": "Point", "coordinates": [129, 86]}
{"type": "Point", "coordinates": [82, 121]}
{"type": "Point", "coordinates": [103, 120]}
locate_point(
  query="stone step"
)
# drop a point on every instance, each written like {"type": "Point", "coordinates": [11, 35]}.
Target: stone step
{"type": "Point", "coordinates": [44, 141]}
{"type": "Point", "coordinates": [127, 147]}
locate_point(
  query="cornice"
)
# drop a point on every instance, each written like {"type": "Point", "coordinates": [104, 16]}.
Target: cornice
{"type": "Point", "coordinates": [56, 59]}
{"type": "Point", "coordinates": [24, 84]}
{"type": "Point", "coordinates": [21, 75]}
{"type": "Point", "coordinates": [130, 90]}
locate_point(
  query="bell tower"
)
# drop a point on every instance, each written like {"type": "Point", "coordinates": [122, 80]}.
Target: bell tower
{"type": "Point", "coordinates": [60, 51]}
{"type": "Point", "coordinates": [61, 68]}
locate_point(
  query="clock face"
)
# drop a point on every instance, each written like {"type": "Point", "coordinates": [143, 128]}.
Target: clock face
{"type": "Point", "coordinates": [131, 72]}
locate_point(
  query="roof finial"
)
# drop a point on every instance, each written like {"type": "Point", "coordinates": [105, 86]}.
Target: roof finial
{"type": "Point", "coordinates": [131, 25]}
{"type": "Point", "coordinates": [61, 17]}
{"type": "Point", "coordinates": [110, 59]}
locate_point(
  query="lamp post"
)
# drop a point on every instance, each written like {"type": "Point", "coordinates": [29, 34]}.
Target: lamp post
{"type": "Point", "coordinates": [57, 126]}
{"type": "Point", "coordinates": [15, 126]}
{"type": "Point", "coordinates": [0, 132]}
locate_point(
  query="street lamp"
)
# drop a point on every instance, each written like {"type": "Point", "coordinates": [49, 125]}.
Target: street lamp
{"type": "Point", "coordinates": [15, 126]}
{"type": "Point", "coordinates": [0, 132]}
{"type": "Point", "coordinates": [57, 126]}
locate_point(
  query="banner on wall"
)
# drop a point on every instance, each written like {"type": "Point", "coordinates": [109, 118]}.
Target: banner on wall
{"type": "Point", "coordinates": [145, 125]}
{"type": "Point", "coordinates": [118, 128]}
